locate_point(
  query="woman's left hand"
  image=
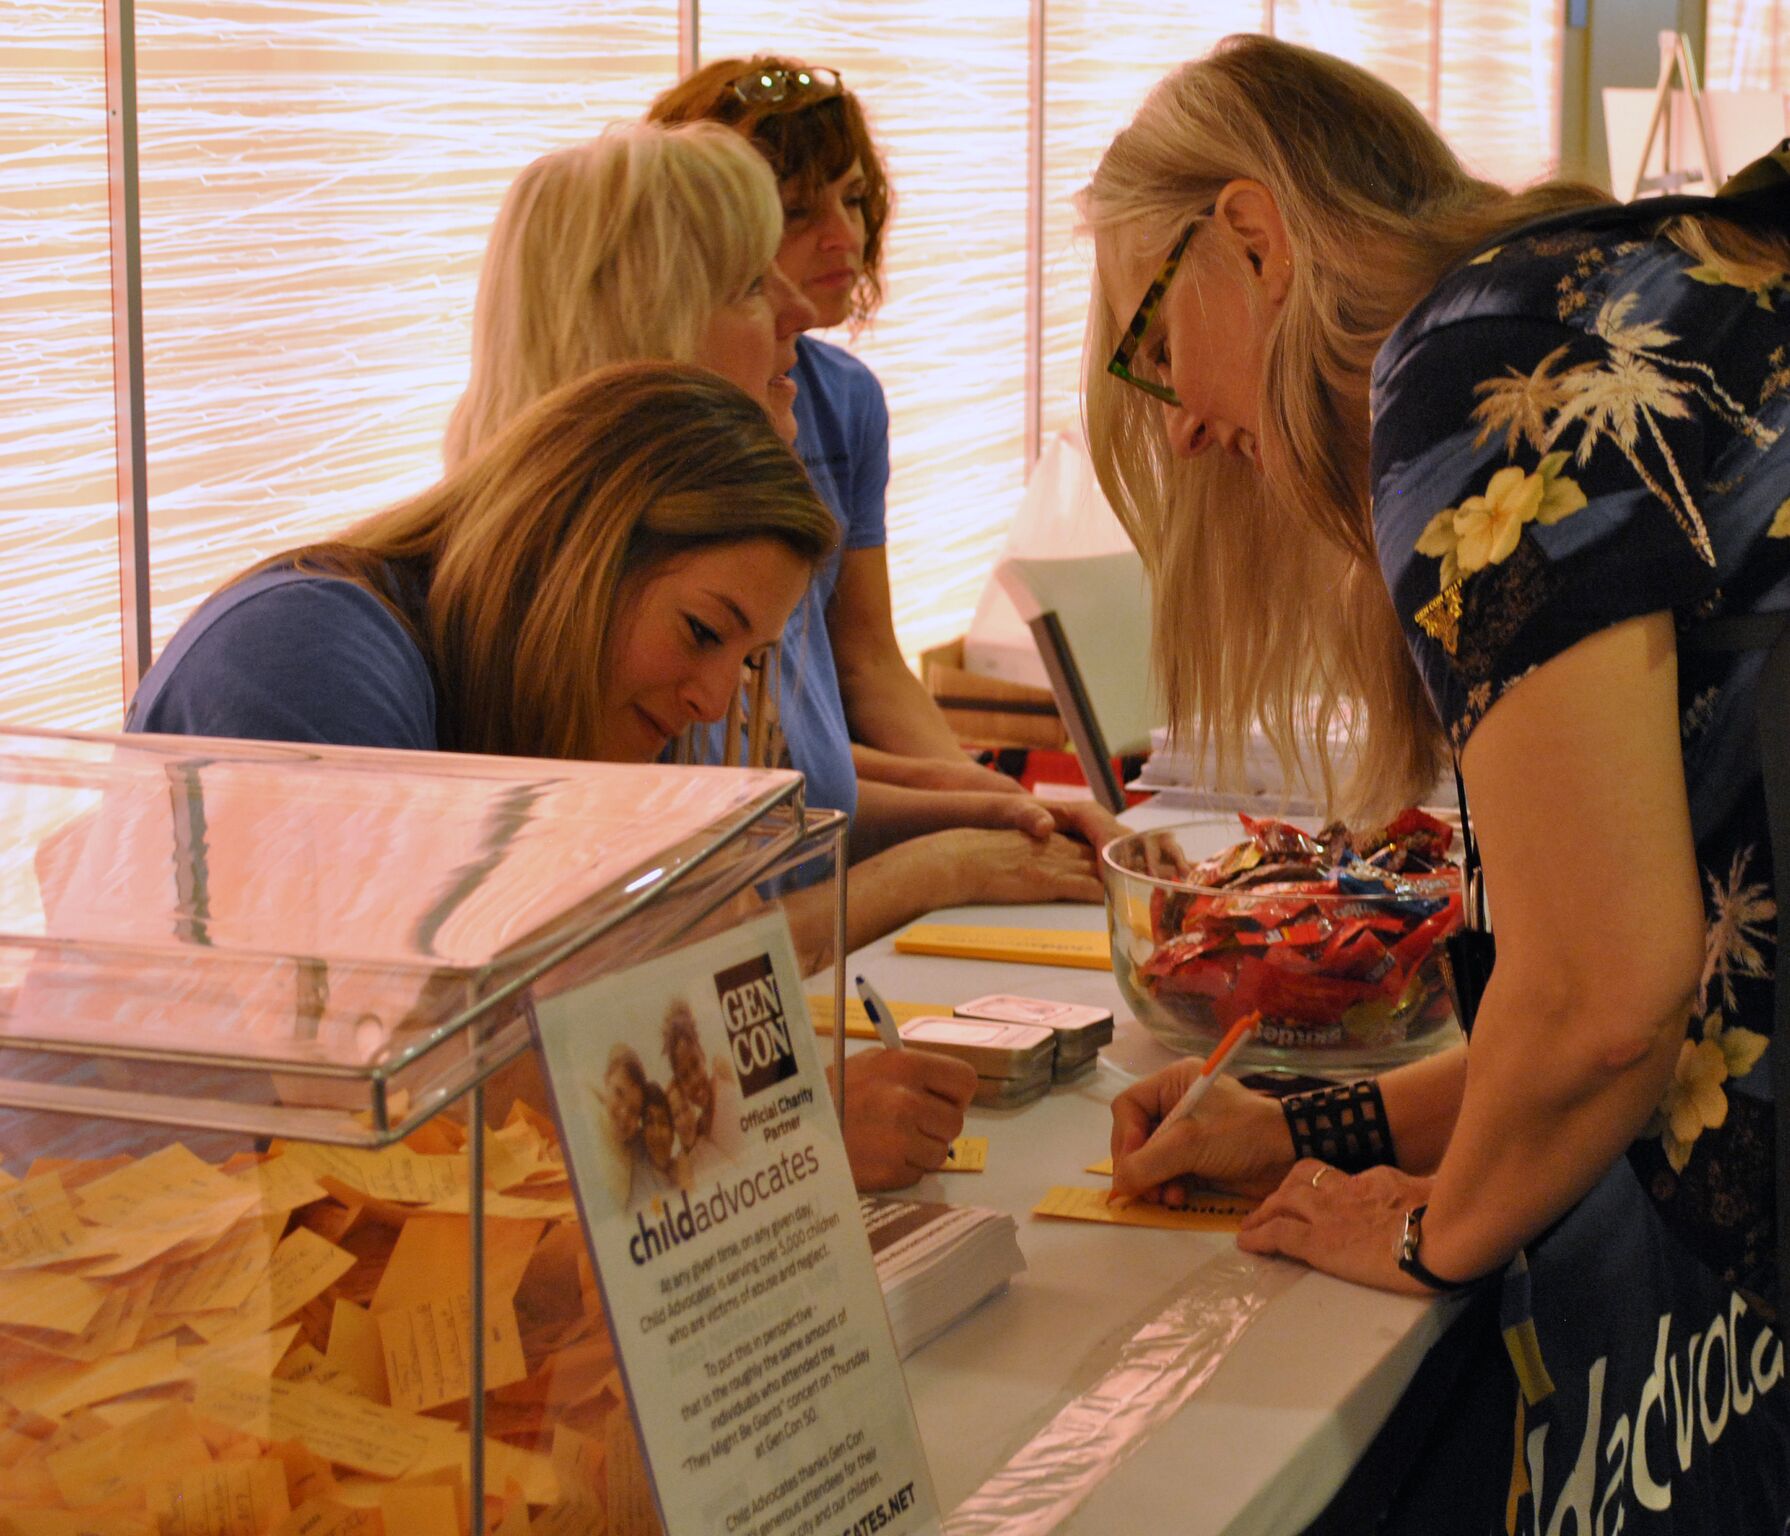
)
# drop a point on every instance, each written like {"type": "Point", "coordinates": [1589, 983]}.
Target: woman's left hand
{"type": "Point", "coordinates": [1082, 819]}
{"type": "Point", "coordinates": [1345, 1225]}
{"type": "Point", "coordinates": [1091, 822]}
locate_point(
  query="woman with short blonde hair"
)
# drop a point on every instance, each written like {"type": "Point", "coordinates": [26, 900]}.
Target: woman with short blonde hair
{"type": "Point", "coordinates": [689, 213]}
{"type": "Point", "coordinates": [653, 215]}
{"type": "Point", "coordinates": [1497, 475]}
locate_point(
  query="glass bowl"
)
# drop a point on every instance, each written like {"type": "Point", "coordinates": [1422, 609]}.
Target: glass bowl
{"type": "Point", "coordinates": [1339, 955]}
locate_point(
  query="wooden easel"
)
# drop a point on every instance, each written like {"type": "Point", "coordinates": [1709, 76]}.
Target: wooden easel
{"type": "Point", "coordinates": [1675, 58]}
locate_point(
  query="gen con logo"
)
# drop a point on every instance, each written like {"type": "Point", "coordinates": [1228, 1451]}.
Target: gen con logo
{"type": "Point", "coordinates": [757, 1031]}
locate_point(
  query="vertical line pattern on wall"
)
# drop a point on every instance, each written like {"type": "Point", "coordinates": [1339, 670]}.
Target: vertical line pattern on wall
{"type": "Point", "coordinates": [689, 36]}
{"type": "Point", "coordinates": [1035, 194]}
{"type": "Point", "coordinates": [127, 339]}
{"type": "Point", "coordinates": [1743, 45]}
{"type": "Point", "coordinates": [315, 189]}
{"type": "Point", "coordinates": [1557, 127]}
{"type": "Point", "coordinates": [1435, 102]}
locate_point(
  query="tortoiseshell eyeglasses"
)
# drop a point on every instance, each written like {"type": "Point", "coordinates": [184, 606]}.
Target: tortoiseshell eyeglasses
{"type": "Point", "coordinates": [1133, 362]}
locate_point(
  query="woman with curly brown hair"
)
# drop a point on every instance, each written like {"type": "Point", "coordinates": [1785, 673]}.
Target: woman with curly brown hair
{"type": "Point", "coordinates": [836, 201]}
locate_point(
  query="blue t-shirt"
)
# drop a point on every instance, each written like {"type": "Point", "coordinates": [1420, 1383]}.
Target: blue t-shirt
{"type": "Point", "coordinates": [842, 435]}
{"type": "Point", "coordinates": [286, 656]}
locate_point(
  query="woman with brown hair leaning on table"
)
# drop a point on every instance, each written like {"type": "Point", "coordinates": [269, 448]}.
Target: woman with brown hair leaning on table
{"type": "Point", "coordinates": [589, 584]}
{"type": "Point", "coordinates": [1527, 447]}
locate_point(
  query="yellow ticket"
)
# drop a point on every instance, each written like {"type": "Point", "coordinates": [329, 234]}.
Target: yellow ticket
{"type": "Point", "coordinates": [578, 1463]}
{"type": "Point", "coordinates": [420, 1509]}
{"type": "Point", "coordinates": [112, 1463]}
{"type": "Point", "coordinates": [1208, 1212]}
{"type": "Point", "coordinates": [59, 1390]}
{"type": "Point", "coordinates": [428, 1351]}
{"type": "Point", "coordinates": [857, 1021]}
{"type": "Point", "coordinates": [363, 1436]}
{"type": "Point", "coordinates": [57, 1303]}
{"type": "Point", "coordinates": [38, 1221]}
{"type": "Point", "coordinates": [171, 1176]}
{"type": "Point", "coordinates": [1085, 949]}
{"type": "Point", "coordinates": [327, 1517]}
{"type": "Point", "coordinates": [231, 1498]}
{"type": "Point", "coordinates": [968, 1154]}
{"type": "Point", "coordinates": [302, 1268]}
{"type": "Point", "coordinates": [394, 1173]}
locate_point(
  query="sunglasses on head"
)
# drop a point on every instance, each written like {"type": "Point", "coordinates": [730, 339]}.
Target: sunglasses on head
{"type": "Point", "coordinates": [772, 86]}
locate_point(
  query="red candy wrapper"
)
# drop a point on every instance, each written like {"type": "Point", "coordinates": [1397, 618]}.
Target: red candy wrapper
{"type": "Point", "coordinates": [1329, 937]}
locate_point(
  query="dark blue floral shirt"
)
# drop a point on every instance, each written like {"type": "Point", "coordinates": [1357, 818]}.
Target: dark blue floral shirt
{"type": "Point", "coordinates": [1578, 427]}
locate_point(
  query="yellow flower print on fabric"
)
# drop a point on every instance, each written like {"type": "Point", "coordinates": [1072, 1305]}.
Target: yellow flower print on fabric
{"type": "Point", "coordinates": [1717, 275]}
{"type": "Point", "coordinates": [1484, 530]}
{"type": "Point", "coordinates": [1780, 523]}
{"type": "Point", "coordinates": [1696, 1100]}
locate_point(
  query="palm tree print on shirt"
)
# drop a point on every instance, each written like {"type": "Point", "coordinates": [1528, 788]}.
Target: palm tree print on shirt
{"type": "Point", "coordinates": [1621, 400]}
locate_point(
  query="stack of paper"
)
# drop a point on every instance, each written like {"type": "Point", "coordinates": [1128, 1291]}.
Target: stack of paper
{"type": "Point", "coordinates": [937, 1262]}
{"type": "Point", "coordinates": [281, 1345]}
{"type": "Point", "coordinates": [1184, 777]}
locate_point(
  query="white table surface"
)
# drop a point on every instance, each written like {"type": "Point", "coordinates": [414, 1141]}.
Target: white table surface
{"type": "Point", "coordinates": [1264, 1443]}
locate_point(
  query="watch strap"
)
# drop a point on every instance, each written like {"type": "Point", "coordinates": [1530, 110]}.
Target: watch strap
{"type": "Point", "coordinates": [1409, 1261]}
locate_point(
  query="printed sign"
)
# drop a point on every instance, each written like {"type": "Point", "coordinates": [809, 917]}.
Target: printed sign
{"type": "Point", "coordinates": [724, 1227]}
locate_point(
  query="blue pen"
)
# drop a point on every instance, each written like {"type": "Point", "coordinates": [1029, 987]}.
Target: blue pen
{"type": "Point", "coordinates": [881, 1014]}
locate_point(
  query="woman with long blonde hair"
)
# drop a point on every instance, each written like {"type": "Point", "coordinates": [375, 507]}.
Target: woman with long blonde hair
{"type": "Point", "coordinates": [1484, 474]}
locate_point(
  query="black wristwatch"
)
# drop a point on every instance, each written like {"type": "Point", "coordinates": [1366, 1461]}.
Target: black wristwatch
{"type": "Point", "coordinates": [1414, 1266]}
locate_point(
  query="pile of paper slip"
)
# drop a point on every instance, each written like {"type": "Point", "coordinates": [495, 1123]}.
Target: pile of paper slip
{"type": "Point", "coordinates": [279, 1344]}
{"type": "Point", "coordinates": [936, 1262]}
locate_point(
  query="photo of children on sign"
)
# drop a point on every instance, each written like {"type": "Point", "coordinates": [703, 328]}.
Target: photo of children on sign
{"type": "Point", "coordinates": [722, 1225]}
{"type": "Point", "coordinates": [669, 1128]}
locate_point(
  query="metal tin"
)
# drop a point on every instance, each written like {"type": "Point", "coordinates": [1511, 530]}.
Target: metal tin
{"type": "Point", "coordinates": [993, 1049]}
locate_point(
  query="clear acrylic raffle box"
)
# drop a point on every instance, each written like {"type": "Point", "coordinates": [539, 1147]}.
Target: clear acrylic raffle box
{"type": "Point", "coordinates": [286, 1235]}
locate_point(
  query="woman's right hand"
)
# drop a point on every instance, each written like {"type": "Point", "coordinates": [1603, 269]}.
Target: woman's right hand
{"type": "Point", "coordinates": [1236, 1140]}
{"type": "Point", "coordinates": [902, 1111]}
{"type": "Point", "coordinates": [983, 865]}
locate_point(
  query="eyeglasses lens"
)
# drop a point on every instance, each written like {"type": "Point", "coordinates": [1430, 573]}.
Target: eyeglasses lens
{"type": "Point", "coordinates": [1149, 362]}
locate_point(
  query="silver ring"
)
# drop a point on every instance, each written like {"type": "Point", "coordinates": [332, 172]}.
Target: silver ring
{"type": "Point", "coordinates": [1319, 1174]}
